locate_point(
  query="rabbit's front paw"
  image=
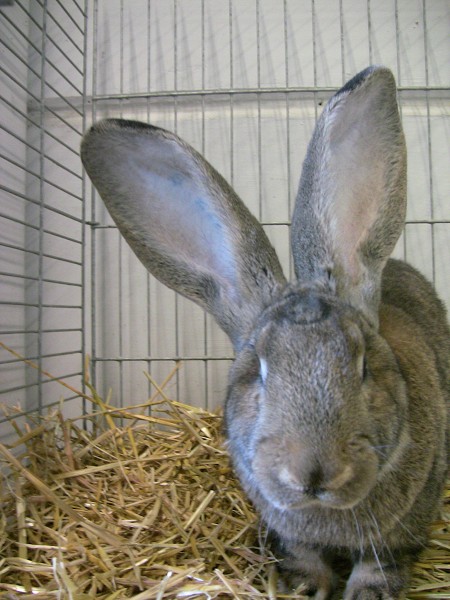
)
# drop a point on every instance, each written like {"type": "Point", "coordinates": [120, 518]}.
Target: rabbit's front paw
{"type": "Point", "coordinates": [305, 571]}
{"type": "Point", "coordinates": [373, 580]}
{"type": "Point", "coordinates": [305, 584]}
{"type": "Point", "coordinates": [371, 593]}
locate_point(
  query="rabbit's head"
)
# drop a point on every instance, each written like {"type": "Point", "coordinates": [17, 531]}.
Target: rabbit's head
{"type": "Point", "coordinates": [316, 405]}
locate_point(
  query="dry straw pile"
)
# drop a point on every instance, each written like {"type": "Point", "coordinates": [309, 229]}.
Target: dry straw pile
{"type": "Point", "coordinates": [141, 503]}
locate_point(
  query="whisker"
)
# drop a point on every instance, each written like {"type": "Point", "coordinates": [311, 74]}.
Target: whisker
{"type": "Point", "coordinates": [377, 560]}
{"type": "Point", "coordinates": [359, 533]}
{"type": "Point", "coordinates": [384, 545]}
{"type": "Point", "coordinates": [384, 446]}
{"type": "Point", "coordinates": [418, 541]}
{"type": "Point", "coordinates": [379, 450]}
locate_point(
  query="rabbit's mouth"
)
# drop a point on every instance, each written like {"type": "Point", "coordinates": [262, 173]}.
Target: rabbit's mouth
{"type": "Point", "coordinates": [327, 500]}
{"type": "Point", "coordinates": [334, 484]}
{"type": "Point", "coordinates": [319, 500]}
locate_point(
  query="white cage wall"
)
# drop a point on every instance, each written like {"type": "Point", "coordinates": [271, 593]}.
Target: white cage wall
{"type": "Point", "coordinates": [241, 80]}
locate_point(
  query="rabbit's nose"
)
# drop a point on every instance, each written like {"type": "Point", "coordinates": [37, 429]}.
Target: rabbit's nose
{"type": "Point", "coordinates": [310, 482]}
{"type": "Point", "coordinates": [310, 477]}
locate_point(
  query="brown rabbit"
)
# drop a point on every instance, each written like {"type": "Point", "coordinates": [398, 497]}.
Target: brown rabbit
{"type": "Point", "coordinates": [336, 414]}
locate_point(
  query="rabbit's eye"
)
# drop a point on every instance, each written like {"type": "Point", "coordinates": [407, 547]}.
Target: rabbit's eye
{"type": "Point", "coordinates": [364, 370]}
{"type": "Point", "coordinates": [263, 369]}
{"type": "Point", "coordinates": [362, 367]}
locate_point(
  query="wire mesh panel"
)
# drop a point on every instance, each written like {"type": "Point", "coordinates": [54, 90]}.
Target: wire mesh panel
{"type": "Point", "coordinates": [41, 189]}
{"type": "Point", "coordinates": [243, 81]}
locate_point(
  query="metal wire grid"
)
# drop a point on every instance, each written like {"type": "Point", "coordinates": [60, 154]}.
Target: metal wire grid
{"type": "Point", "coordinates": [185, 94]}
{"type": "Point", "coordinates": [43, 50]}
{"type": "Point", "coordinates": [227, 76]}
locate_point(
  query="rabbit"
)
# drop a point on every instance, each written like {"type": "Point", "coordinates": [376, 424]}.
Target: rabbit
{"type": "Point", "coordinates": [336, 411]}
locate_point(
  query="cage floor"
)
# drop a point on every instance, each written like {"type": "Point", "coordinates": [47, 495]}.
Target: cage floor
{"type": "Point", "coordinates": [142, 503]}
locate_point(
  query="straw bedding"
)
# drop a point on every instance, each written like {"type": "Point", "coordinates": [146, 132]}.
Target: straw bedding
{"type": "Point", "coordinates": [142, 503]}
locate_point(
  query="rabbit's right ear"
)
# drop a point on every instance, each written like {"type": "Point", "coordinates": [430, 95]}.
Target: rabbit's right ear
{"type": "Point", "coordinates": [183, 221]}
{"type": "Point", "coordinates": [351, 202]}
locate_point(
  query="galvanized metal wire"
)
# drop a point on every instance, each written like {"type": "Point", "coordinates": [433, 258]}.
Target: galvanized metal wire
{"type": "Point", "coordinates": [243, 81]}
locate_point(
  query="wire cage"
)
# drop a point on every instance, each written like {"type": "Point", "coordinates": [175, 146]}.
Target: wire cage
{"type": "Point", "coordinates": [243, 81]}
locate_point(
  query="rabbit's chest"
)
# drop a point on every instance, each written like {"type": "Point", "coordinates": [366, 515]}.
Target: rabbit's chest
{"type": "Point", "coordinates": [325, 528]}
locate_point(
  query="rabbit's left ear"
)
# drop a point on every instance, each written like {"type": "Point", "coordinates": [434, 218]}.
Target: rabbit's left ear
{"type": "Point", "coordinates": [351, 203]}
{"type": "Point", "coordinates": [183, 221]}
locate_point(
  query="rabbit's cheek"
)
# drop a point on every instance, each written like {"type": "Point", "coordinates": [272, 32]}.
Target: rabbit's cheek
{"type": "Point", "coordinates": [268, 473]}
{"type": "Point", "coordinates": [357, 488]}
{"type": "Point", "coordinates": [241, 415]}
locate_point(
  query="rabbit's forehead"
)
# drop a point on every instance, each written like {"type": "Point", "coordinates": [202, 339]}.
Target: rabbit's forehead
{"type": "Point", "coordinates": [310, 323]}
{"type": "Point", "coordinates": [304, 307]}
{"type": "Point", "coordinates": [325, 351]}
